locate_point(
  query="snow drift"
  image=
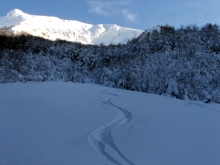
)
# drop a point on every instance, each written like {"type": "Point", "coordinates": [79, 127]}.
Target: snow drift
{"type": "Point", "coordinates": [53, 123]}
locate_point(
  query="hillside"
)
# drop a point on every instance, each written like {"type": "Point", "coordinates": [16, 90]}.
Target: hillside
{"type": "Point", "coordinates": [17, 22]}
{"type": "Point", "coordinates": [183, 63]}
{"type": "Point", "coordinates": [57, 124]}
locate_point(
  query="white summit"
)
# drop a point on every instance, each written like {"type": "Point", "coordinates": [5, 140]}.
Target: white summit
{"type": "Point", "coordinates": [52, 28]}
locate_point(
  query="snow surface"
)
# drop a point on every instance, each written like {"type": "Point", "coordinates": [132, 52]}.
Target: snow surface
{"type": "Point", "coordinates": [54, 28]}
{"type": "Point", "coordinates": [56, 123]}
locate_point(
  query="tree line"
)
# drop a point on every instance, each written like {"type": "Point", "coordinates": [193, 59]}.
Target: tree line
{"type": "Point", "coordinates": [182, 63]}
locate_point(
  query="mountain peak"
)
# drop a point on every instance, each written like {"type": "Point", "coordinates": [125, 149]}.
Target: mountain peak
{"type": "Point", "coordinates": [53, 28]}
{"type": "Point", "coordinates": [15, 12]}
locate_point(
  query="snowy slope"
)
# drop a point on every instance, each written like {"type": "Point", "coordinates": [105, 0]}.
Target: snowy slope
{"type": "Point", "coordinates": [84, 124]}
{"type": "Point", "coordinates": [54, 28]}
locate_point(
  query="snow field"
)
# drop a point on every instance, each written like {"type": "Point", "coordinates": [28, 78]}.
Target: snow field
{"type": "Point", "coordinates": [51, 122]}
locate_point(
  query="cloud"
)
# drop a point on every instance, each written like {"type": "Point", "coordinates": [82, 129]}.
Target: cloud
{"type": "Point", "coordinates": [129, 15]}
{"type": "Point", "coordinates": [112, 8]}
{"type": "Point", "coordinates": [98, 7]}
{"type": "Point", "coordinates": [105, 7]}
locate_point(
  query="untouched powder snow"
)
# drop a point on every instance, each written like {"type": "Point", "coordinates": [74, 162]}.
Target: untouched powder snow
{"type": "Point", "coordinates": [56, 123]}
{"type": "Point", "coordinates": [54, 28]}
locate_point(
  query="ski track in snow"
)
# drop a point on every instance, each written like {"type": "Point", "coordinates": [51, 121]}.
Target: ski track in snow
{"type": "Point", "coordinates": [102, 137]}
{"type": "Point", "coordinates": [202, 106]}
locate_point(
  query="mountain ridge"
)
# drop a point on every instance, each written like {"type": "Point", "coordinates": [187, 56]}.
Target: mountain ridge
{"type": "Point", "coordinates": [53, 28]}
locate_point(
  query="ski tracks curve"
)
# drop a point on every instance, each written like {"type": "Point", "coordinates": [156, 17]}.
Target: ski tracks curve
{"type": "Point", "coordinates": [102, 137]}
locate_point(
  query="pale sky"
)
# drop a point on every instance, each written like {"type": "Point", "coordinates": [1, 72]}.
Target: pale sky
{"type": "Point", "coordinates": [139, 14]}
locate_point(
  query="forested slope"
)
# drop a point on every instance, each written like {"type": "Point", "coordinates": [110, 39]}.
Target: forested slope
{"type": "Point", "coordinates": [183, 63]}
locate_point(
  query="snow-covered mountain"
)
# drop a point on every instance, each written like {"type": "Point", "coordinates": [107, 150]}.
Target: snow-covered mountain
{"type": "Point", "coordinates": [17, 22]}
